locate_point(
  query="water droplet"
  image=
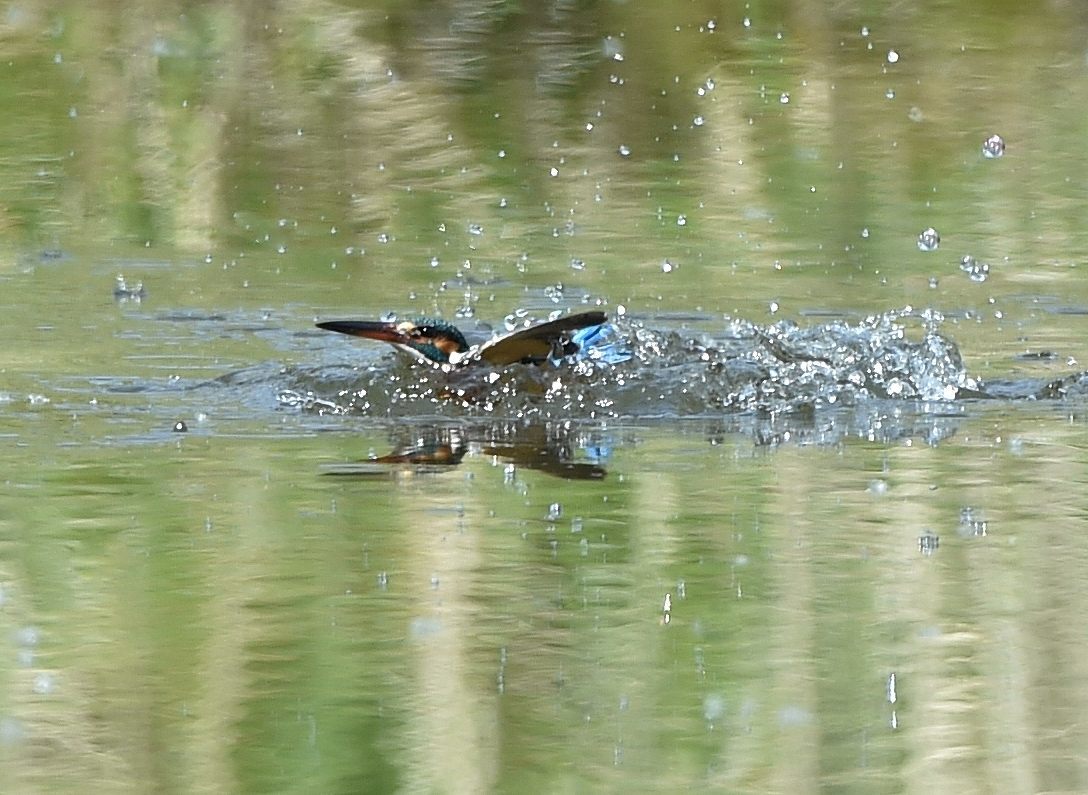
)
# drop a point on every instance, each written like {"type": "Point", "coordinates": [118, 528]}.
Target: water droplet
{"type": "Point", "coordinates": [713, 707]}
{"type": "Point", "coordinates": [972, 523]}
{"type": "Point", "coordinates": [613, 47]}
{"type": "Point", "coordinates": [994, 146]}
{"type": "Point", "coordinates": [977, 271]}
{"type": "Point", "coordinates": [928, 543]}
{"type": "Point", "coordinates": [28, 636]}
{"type": "Point", "coordinates": [929, 240]}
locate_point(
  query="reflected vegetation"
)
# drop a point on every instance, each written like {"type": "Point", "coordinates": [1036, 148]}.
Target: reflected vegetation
{"type": "Point", "coordinates": [824, 530]}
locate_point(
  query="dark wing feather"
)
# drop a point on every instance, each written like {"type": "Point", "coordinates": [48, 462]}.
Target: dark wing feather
{"type": "Point", "coordinates": [537, 343]}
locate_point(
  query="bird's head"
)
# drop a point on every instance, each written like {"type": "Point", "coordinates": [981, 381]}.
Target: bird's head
{"type": "Point", "coordinates": [434, 339]}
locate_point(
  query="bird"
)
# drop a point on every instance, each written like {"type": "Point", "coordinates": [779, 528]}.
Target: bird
{"type": "Point", "coordinates": [441, 344]}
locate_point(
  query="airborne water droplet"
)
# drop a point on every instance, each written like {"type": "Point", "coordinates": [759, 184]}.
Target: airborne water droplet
{"type": "Point", "coordinates": [994, 146]}
{"type": "Point", "coordinates": [929, 240]}
{"type": "Point", "coordinates": [977, 271]}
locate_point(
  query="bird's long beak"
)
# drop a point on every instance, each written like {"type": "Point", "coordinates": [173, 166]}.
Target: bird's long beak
{"type": "Point", "coordinates": [371, 329]}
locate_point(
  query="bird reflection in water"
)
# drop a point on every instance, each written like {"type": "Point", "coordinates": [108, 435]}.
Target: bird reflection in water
{"type": "Point", "coordinates": [436, 448]}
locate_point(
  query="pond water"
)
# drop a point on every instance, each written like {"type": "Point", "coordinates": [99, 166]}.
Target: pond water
{"type": "Point", "coordinates": [824, 530]}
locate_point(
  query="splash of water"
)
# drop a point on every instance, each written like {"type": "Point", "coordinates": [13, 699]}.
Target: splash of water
{"type": "Point", "coordinates": [775, 369]}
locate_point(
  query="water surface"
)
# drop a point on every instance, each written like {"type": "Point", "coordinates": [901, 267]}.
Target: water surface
{"type": "Point", "coordinates": [823, 532]}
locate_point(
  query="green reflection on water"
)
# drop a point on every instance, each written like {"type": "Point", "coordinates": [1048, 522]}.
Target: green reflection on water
{"type": "Point", "coordinates": [209, 611]}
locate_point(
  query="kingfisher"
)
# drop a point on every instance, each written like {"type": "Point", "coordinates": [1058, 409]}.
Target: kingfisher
{"type": "Point", "coordinates": [441, 344]}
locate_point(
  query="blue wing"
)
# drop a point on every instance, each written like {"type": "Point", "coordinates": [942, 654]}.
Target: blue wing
{"type": "Point", "coordinates": [601, 343]}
